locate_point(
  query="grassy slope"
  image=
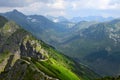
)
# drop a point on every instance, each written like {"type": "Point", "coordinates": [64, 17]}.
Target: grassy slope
{"type": "Point", "coordinates": [62, 67]}
{"type": "Point", "coordinates": [57, 65]}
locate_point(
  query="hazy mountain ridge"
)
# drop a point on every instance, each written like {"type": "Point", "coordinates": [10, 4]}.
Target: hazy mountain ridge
{"type": "Point", "coordinates": [78, 19]}
{"type": "Point", "coordinates": [57, 19]}
{"type": "Point", "coordinates": [91, 18]}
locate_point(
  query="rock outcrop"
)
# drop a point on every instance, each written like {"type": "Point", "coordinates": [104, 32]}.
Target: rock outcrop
{"type": "Point", "coordinates": [23, 69]}
{"type": "Point", "coordinates": [28, 51]}
{"type": "Point", "coordinates": [32, 48]}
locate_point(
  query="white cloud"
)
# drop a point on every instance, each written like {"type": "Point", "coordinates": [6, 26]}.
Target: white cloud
{"type": "Point", "coordinates": [95, 4]}
{"type": "Point", "coordinates": [58, 4]}
{"type": "Point", "coordinates": [5, 9]}
{"type": "Point", "coordinates": [55, 9]}
{"type": "Point", "coordinates": [63, 7]}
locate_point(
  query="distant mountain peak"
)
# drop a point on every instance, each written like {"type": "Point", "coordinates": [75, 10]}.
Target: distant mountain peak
{"type": "Point", "coordinates": [15, 10]}
{"type": "Point", "coordinates": [13, 13]}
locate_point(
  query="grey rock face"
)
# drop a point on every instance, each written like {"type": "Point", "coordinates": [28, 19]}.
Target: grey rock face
{"type": "Point", "coordinates": [8, 66]}
{"type": "Point", "coordinates": [23, 70]}
{"type": "Point", "coordinates": [28, 51]}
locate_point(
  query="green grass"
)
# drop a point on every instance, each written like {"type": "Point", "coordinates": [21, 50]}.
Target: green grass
{"type": "Point", "coordinates": [53, 68]}
{"type": "Point", "coordinates": [3, 56]}
{"type": "Point", "coordinates": [6, 27]}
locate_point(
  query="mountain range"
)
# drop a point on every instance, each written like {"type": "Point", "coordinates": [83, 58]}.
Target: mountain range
{"type": "Point", "coordinates": [78, 19]}
{"type": "Point", "coordinates": [24, 57]}
{"type": "Point", "coordinates": [94, 43]}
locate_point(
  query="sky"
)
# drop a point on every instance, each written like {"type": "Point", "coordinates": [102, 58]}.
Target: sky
{"type": "Point", "coordinates": [66, 8]}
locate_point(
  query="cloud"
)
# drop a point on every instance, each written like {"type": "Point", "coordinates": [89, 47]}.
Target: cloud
{"type": "Point", "coordinates": [19, 3]}
{"type": "Point", "coordinates": [55, 8]}
{"type": "Point", "coordinates": [58, 4]}
{"type": "Point", "coordinates": [96, 4]}
{"type": "Point", "coordinates": [67, 8]}
{"type": "Point", "coordinates": [14, 3]}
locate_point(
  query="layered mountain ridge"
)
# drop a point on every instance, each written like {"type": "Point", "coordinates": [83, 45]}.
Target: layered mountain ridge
{"type": "Point", "coordinates": [94, 43]}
